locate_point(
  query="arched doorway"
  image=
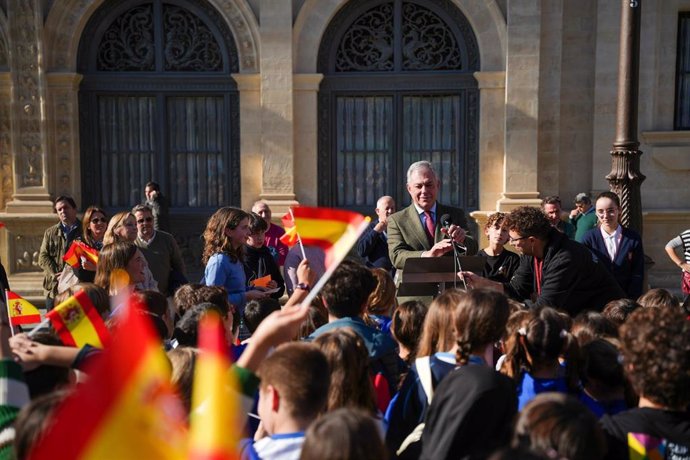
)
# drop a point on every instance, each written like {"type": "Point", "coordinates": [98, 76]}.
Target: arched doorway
{"type": "Point", "coordinates": [398, 87]}
{"type": "Point", "coordinates": [157, 102]}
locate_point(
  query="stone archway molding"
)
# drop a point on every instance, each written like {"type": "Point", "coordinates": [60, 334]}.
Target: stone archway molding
{"type": "Point", "coordinates": [67, 19]}
{"type": "Point", "coordinates": [485, 17]}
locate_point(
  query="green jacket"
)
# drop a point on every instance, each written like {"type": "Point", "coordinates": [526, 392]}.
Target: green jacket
{"type": "Point", "coordinates": [53, 247]}
{"type": "Point", "coordinates": [584, 223]}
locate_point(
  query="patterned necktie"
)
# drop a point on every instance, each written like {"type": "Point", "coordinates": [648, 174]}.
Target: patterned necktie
{"type": "Point", "coordinates": [430, 227]}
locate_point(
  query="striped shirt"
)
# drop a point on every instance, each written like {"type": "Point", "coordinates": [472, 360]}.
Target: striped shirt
{"type": "Point", "coordinates": [682, 240]}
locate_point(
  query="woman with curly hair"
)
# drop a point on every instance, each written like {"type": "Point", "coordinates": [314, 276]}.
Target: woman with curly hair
{"type": "Point", "coordinates": [224, 238]}
{"type": "Point", "coordinates": [656, 360]}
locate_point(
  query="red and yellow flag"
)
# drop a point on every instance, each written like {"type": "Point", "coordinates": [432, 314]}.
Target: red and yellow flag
{"type": "Point", "coordinates": [333, 230]}
{"type": "Point", "coordinates": [289, 238]}
{"type": "Point", "coordinates": [215, 421]}
{"type": "Point", "coordinates": [78, 323]}
{"type": "Point", "coordinates": [21, 311]}
{"type": "Point", "coordinates": [76, 251]}
{"type": "Point", "coordinates": [126, 409]}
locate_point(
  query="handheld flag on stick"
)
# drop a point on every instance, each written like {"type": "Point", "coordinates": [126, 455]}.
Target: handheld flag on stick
{"type": "Point", "coordinates": [21, 311]}
{"type": "Point", "coordinates": [126, 409]}
{"type": "Point", "coordinates": [333, 230]}
{"type": "Point", "coordinates": [215, 421]}
{"type": "Point", "coordinates": [290, 237]}
{"type": "Point", "coordinates": [76, 251]}
{"type": "Point", "coordinates": [78, 323]}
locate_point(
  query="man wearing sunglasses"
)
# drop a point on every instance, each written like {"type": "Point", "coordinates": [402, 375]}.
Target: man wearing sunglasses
{"type": "Point", "coordinates": [554, 270]}
{"type": "Point", "coordinates": [161, 251]}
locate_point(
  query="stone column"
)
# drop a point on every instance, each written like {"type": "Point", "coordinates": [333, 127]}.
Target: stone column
{"type": "Point", "coordinates": [63, 134]}
{"type": "Point", "coordinates": [306, 136]}
{"type": "Point", "coordinates": [249, 87]}
{"type": "Point", "coordinates": [277, 104]}
{"type": "Point", "coordinates": [492, 88]}
{"type": "Point", "coordinates": [31, 188]}
{"type": "Point", "coordinates": [522, 105]}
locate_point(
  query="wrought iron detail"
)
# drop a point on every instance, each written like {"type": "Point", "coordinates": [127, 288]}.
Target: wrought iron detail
{"type": "Point", "coordinates": [427, 42]}
{"type": "Point", "coordinates": [189, 43]}
{"type": "Point", "coordinates": [368, 43]}
{"type": "Point", "coordinates": [128, 43]}
{"type": "Point", "coordinates": [625, 180]}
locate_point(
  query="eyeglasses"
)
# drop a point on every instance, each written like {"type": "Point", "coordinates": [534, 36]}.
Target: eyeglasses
{"type": "Point", "coordinates": [606, 212]}
{"type": "Point", "coordinates": [99, 220]}
{"type": "Point", "coordinates": [515, 240]}
{"type": "Point", "coordinates": [145, 219]}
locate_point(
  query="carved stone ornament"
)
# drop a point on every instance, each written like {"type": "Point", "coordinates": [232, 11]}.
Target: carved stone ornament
{"type": "Point", "coordinates": [6, 177]}
{"type": "Point", "coordinates": [26, 249]}
{"type": "Point", "coordinates": [26, 40]}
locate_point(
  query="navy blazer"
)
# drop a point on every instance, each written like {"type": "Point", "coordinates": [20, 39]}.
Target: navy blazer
{"type": "Point", "coordinates": [628, 267]}
{"type": "Point", "coordinates": [372, 246]}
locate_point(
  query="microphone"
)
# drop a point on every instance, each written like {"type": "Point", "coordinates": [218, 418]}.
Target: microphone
{"type": "Point", "coordinates": [446, 222]}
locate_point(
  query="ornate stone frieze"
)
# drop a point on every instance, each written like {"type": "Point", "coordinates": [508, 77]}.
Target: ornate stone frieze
{"type": "Point", "coordinates": [6, 178]}
{"type": "Point", "coordinates": [25, 252]}
{"type": "Point", "coordinates": [24, 20]}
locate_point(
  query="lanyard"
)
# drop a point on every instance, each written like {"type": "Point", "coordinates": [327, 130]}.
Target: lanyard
{"type": "Point", "coordinates": [538, 268]}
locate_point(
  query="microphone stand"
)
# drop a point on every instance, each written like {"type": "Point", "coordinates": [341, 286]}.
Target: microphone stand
{"type": "Point", "coordinates": [458, 265]}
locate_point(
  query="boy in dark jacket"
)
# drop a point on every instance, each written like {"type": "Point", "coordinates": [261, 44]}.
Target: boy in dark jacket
{"type": "Point", "coordinates": [258, 260]}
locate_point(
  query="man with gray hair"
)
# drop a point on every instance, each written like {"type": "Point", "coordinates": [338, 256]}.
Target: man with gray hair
{"type": "Point", "coordinates": [161, 252]}
{"type": "Point", "coordinates": [417, 231]}
{"type": "Point", "coordinates": [372, 246]}
{"type": "Point", "coordinates": [583, 216]}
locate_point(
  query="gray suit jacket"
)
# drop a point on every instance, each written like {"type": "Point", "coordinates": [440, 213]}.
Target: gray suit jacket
{"type": "Point", "coordinates": [407, 237]}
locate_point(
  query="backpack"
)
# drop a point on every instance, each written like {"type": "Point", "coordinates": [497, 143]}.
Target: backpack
{"type": "Point", "coordinates": [423, 366]}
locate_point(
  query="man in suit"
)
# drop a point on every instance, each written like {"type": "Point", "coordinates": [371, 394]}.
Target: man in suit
{"type": "Point", "coordinates": [417, 231]}
{"type": "Point", "coordinates": [372, 246]}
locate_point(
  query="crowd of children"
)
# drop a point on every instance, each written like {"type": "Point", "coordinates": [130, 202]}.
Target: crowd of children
{"type": "Point", "coordinates": [354, 375]}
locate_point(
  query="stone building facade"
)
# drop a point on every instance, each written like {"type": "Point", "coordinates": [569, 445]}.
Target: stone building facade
{"type": "Point", "coordinates": [229, 101]}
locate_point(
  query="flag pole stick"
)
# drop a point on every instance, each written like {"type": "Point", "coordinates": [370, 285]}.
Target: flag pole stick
{"type": "Point", "coordinates": [324, 279]}
{"type": "Point", "coordinates": [9, 315]}
{"type": "Point", "coordinates": [33, 332]}
{"type": "Point", "coordinates": [299, 238]}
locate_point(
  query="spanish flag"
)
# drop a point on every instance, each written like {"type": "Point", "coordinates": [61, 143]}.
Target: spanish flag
{"type": "Point", "coordinates": [78, 323]}
{"type": "Point", "coordinates": [333, 230]}
{"type": "Point", "coordinates": [214, 423]}
{"type": "Point", "coordinates": [21, 311]}
{"type": "Point", "coordinates": [126, 409]}
{"type": "Point", "coordinates": [76, 251]}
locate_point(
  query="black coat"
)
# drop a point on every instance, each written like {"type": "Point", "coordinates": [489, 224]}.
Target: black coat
{"type": "Point", "coordinates": [470, 415]}
{"type": "Point", "coordinates": [572, 278]}
{"type": "Point", "coordinates": [372, 246]}
{"type": "Point", "coordinates": [251, 267]}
